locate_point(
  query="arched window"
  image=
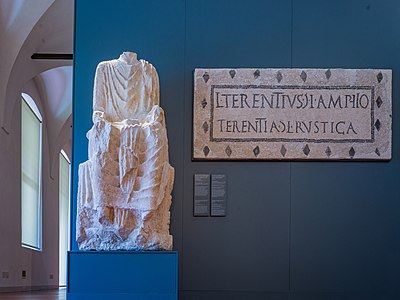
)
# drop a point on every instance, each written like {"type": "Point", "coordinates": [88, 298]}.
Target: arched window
{"type": "Point", "coordinates": [31, 174]}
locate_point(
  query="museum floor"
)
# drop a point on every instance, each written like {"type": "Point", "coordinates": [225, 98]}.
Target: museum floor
{"type": "Point", "coordinates": [59, 294]}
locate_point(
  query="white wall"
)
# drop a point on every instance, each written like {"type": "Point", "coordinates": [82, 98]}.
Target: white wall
{"type": "Point", "coordinates": [14, 258]}
{"type": "Point", "coordinates": [49, 84]}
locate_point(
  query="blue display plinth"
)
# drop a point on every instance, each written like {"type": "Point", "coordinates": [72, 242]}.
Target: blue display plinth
{"type": "Point", "coordinates": [148, 275]}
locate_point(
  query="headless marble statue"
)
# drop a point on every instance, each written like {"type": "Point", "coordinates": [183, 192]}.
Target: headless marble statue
{"type": "Point", "coordinates": [124, 190]}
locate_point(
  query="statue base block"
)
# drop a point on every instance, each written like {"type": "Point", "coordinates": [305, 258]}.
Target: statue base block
{"type": "Point", "coordinates": [122, 275]}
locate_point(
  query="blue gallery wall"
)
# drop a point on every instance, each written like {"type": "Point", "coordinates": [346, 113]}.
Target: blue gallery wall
{"type": "Point", "coordinates": [294, 230]}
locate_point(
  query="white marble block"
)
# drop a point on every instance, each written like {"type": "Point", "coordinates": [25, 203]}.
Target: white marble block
{"type": "Point", "coordinates": [124, 190]}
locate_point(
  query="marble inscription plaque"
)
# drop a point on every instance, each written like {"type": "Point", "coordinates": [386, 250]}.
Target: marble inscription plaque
{"type": "Point", "coordinates": [269, 114]}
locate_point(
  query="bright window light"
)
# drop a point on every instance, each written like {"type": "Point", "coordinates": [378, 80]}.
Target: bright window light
{"type": "Point", "coordinates": [64, 188]}
{"type": "Point", "coordinates": [31, 174]}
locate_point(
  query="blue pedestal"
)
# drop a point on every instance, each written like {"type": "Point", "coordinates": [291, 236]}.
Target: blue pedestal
{"type": "Point", "coordinates": [148, 275]}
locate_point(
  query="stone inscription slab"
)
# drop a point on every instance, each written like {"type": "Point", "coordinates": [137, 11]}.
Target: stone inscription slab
{"type": "Point", "coordinates": [268, 114]}
{"type": "Point", "coordinates": [218, 195]}
{"type": "Point", "coordinates": [201, 206]}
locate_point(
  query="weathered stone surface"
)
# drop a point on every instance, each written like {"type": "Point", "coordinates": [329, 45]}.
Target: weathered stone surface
{"type": "Point", "coordinates": [286, 114]}
{"type": "Point", "coordinates": [124, 191]}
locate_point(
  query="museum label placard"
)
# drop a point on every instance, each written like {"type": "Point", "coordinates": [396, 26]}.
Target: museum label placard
{"type": "Point", "coordinates": [218, 195]}
{"type": "Point", "coordinates": [278, 114]}
{"type": "Point", "coordinates": [201, 206]}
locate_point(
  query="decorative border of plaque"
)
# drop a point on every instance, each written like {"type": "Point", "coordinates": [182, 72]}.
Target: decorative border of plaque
{"type": "Point", "coordinates": [292, 114]}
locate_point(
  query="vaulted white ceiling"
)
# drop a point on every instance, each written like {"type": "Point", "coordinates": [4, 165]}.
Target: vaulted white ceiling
{"type": "Point", "coordinates": [37, 26]}
{"type": "Point", "coordinates": [26, 27]}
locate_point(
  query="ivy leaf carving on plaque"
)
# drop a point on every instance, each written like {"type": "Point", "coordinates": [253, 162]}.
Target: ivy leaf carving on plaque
{"type": "Point", "coordinates": [328, 74]}
{"type": "Point", "coordinates": [352, 152]}
{"type": "Point", "coordinates": [303, 76]}
{"type": "Point", "coordinates": [206, 150]}
{"type": "Point", "coordinates": [379, 102]}
{"type": "Point", "coordinates": [379, 77]}
{"type": "Point", "coordinates": [256, 151]}
{"type": "Point", "coordinates": [279, 76]}
{"type": "Point", "coordinates": [306, 150]}
{"type": "Point", "coordinates": [228, 151]}
{"type": "Point", "coordinates": [204, 103]}
{"type": "Point", "coordinates": [378, 124]}
{"type": "Point", "coordinates": [205, 127]}
{"type": "Point", "coordinates": [283, 150]}
{"type": "Point", "coordinates": [206, 77]}
{"type": "Point", "coordinates": [328, 151]}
